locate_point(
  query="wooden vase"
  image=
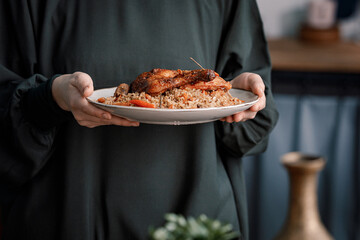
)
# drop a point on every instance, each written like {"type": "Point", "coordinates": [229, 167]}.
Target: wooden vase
{"type": "Point", "coordinates": [303, 220]}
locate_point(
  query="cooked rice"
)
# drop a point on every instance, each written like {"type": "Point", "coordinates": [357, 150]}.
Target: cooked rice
{"type": "Point", "coordinates": [179, 99]}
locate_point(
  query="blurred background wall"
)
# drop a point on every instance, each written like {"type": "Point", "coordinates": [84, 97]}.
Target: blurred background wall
{"type": "Point", "coordinates": [282, 18]}
{"type": "Point", "coordinates": [319, 110]}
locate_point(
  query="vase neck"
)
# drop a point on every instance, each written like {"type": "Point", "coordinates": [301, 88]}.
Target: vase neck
{"type": "Point", "coordinates": [303, 195]}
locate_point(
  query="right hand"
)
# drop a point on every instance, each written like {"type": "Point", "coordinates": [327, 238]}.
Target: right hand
{"type": "Point", "coordinates": [70, 92]}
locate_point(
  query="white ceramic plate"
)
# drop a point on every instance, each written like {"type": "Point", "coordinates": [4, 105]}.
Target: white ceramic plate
{"type": "Point", "coordinates": [174, 116]}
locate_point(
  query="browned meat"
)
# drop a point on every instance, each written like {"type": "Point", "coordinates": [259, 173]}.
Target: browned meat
{"type": "Point", "coordinates": [215, 84]}
{"type": "Point", "coordinates": [122, 89]}
{"type": "Point", "coordinates": [158, 81]}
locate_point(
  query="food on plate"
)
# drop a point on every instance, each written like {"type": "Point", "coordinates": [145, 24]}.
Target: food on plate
{"type": "Point", "coordinates": [158, 81]}
{"type": "Point", "coordinates": [174, 89]}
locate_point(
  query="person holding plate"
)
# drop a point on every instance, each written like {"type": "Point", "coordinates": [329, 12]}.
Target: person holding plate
{"type": "Point", "coordinates": [70, 170]}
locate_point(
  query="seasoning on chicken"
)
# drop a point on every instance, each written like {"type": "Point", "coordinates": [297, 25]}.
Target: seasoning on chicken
{"type": "Point", "coordinates": [217, 83]}
{"type": "Point", "coordinates": [174, 89]}
{"type": "Point", "coordinates": [122, 89]}
{"type": "Point", "coordinates": [158, 81]}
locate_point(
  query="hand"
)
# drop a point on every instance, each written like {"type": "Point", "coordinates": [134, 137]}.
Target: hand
{"type": "Point", "coordinates": [70, 92]}
{"type": "Point", "coordinates": [254, 83]}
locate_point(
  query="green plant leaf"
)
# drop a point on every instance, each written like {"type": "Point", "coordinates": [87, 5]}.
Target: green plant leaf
{"type": "Point", "coordinates": [177, 227]}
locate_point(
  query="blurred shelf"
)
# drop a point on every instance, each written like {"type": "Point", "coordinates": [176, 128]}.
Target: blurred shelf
{"type": "Point", "coordinates": [296, 55]}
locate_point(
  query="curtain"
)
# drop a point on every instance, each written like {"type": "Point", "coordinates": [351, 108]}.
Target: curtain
{"type": "Point", "coordinates": [328, 126]}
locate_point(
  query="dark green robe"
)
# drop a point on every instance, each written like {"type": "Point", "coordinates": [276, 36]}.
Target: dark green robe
{"type": "Point", "coordinates": [59, 180]}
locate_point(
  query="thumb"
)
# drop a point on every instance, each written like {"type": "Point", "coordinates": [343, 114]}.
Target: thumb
{"type": "Point", "coordinates": [258, 89]}
{"type": "Point", "coordinates": [88, 91]}
{"type": "Point", "coordinates": [256, 84]}
{"type": "Point", "coordinates": [84, 84]}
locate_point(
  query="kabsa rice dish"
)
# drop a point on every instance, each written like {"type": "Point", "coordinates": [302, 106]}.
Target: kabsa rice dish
{"type": "Point", "coordinates": [174, 89]}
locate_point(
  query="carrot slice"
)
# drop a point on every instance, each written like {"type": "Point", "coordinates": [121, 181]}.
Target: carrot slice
{"type": "Point", "coordinates": [141, 103]}
{"type": "Point", "coordinates": [101, 100]}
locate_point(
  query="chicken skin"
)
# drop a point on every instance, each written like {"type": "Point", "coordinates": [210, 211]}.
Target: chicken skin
{"type": "Point", "coordinates": [158, 81]}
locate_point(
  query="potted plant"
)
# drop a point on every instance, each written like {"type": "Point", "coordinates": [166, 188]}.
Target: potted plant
{"type": "Point", "coordinates": [177, 227]}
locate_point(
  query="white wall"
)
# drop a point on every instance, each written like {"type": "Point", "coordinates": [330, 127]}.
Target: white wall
{"type": "Point", "coordinates": [283, 18]}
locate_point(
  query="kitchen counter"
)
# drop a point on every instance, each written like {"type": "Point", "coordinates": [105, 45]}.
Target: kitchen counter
{"type": "Point", "coordinates": [296, 55]}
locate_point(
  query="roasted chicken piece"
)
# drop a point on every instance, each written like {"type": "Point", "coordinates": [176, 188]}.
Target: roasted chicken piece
{"type": "Point", "coordinates": [158, 81]}
{"type": "Point", "coordinates": [122, 89]}
{"type": "Point", "coordinates": [215, 84]}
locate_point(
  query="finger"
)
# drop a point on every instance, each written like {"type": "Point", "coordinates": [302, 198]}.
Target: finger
{"type": "Point", "coordinates": [225, 119]}
{"type": "Point", "coordinates": [247, 115]}
{"type": "Point", "coordinates": [84, 117]}
{"type": "Point", "coordinates": [81, 105]}
{"type": "Point", "coordinates": [91, 121]}
{"type": "Point", "coordinates": [250, 81]}
{"type": "Point", "coordinates": [94, 114]}
{"type": "Point", "coordinates": [241, 81]}
{"type": "Point", "coordinates": [256, 84]}
{"type": "Point", "coordinates": [229, 119]}
{"type": "Point", "coordinates": [258, 89]}
{"type": "Point", "coordinates": [123, 123]}
{"type": "Point", "coordinates": [242, 116]}
{"type": "Point", "coordinates": [260, 105]}
{"type": "Point", "coordinates": [233, 118]}
{"type": "Point", "coordinates": [115, 120]}
{"type": "Point", "coordinates": [239, 116]}
{"type": "Point", "coordinates": [83, 83]}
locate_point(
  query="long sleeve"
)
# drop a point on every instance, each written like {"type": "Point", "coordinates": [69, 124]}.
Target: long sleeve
{"type": "Point", "coordinates": [25, 145]}
{"type": "Point", "coordinates": [244, 49]}
{"type": "Point", "coordinates": [114, 182]}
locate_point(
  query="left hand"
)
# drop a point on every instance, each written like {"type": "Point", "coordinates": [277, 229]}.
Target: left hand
{"type": "Point", "coordinates": [254, 83]}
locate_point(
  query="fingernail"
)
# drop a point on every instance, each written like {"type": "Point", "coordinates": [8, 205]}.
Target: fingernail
{"type": "Point", "coordinates": [135, 124]}
{"type": "Point", "coordinates": [85, 89]}
{"type": "Point", "coordinates": [106, 116]}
